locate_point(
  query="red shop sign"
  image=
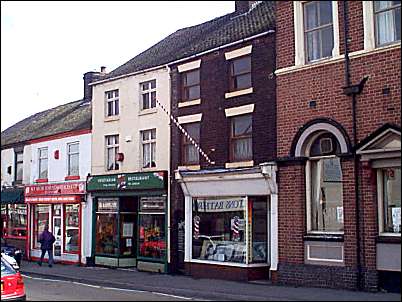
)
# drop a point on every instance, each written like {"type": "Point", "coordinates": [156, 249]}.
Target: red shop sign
{"type": "Point", "coordinates": [54, 199]}
{"type": "Point", "coordinates": [55, 189]}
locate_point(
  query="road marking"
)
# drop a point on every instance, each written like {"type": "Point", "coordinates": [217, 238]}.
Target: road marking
{"type": "Point", "coordinates": [113, 288]}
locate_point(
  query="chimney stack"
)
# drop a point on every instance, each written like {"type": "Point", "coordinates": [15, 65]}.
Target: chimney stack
{"type": "Point", "coordinates": [89, 77]}
{"type": "Point", "coordinates": [242, 7]}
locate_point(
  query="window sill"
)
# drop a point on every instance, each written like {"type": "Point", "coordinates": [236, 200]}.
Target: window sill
{"type": "Point", "coordinates": [324, 237]}
{"type": "Point", "coordinates": [148, 111]}
{"type": "Point", "coordinates": [152, 169]}
{"type": "Point", "coordinates": [239, 164]}
{"type": "Point", "coordinates": [112, 118]}
{"type": "Point", "coordinates": [72, 177]}
{"type": "Point", "coordinates": [189, 103]}
{"type": "Point", "coordinates": [238, 93]}
{"type": "Point", "coordinates": [189, 168]}
{"type": "Point", "coordinates": [389, 238]}
{"type": "Point", "coordinates": [41, 180]}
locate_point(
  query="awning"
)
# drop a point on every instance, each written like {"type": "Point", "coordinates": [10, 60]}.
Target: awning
{"type": "Point", "coordinates": [12, 195]}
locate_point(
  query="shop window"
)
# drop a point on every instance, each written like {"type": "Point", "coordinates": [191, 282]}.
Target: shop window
{"type": "Point", "coordinates": [387, 20]}
{"type": "Point", "coordinates": [43, 166]}
{"type": "Point", "coordinates": [241, 138]}
{"type": "Point", "coordinates": [4, 220]}
{"type": "Point", "coordinates": [318, 30]}
{"type": "Point", "coordinates": [325, 195]}
{"type": "Point", "coordinates": [148, 148]}
{"type": "Point", "coordinates": [240, 73]}
{"type": "Point", "coordinates": [190, 154]}
{"type": "Point", "coordinates": [17, 220]}
{"type": "Point", "coordinates": [152, 237]}
{"type": "Point", "coordinates": [41, 218]}
{"type": "Point", "coordinates": [71, 239]}
{"type": "Point", "coordinates": [219, 230]}
{"type": "Point", "coordinates": [191, 85]}
{"type": "Point", "coordinates": [106, 226]}
{"type": "Point", "coordinates": [148, 95]}
{"type": "Point", "coordinates": [19, 166]}
{"type": "Point", "coordinates": [390, 207]}
{"type": "Point", "coordinates": [112, 148]}
{"type": "Point", "coordinates": [73, 155]}
{"type": "Point", "coordinates": [112, 102]}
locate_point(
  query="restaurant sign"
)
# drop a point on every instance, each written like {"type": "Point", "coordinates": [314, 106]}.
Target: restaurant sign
{"type": "Point", "coordinates": [127, 181]}
{"type": "Point", "coordinates": [70, 188]}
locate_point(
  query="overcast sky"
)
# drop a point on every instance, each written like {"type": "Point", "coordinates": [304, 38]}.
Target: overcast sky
{"type": "Point", "coordinates": [46, 47]}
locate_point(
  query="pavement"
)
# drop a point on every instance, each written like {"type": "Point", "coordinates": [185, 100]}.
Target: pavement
{"type": "Point", "coordinates": [200, 289]}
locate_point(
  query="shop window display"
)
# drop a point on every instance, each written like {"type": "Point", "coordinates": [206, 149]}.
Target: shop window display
{"type": "Point", "coordinates": [14, 220]}
{"type": "Point", "coordinates": [391, 200]}
{"type": "Point", "coordinates": [106, 226]}
{"type": "Point", "coordinates": [71, 228]}
{"type": "Point", "coordinates": [152, 237]}
{"type": "Point", "coordinates": [219, 230]}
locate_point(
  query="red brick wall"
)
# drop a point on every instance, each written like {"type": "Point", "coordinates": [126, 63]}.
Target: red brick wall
{"type": "Point", "coordinates": [324, 84]}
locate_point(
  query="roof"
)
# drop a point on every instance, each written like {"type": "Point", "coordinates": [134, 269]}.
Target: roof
{"type": "Point", "coordinates": [64, 118]}
{"type": "Point", "coordinates": [199, 38]}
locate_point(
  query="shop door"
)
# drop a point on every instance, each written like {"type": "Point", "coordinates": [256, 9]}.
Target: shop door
{"type": "Point", "coordinates": [57, 232]}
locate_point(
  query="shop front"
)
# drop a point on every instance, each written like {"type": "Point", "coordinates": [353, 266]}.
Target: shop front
{"type": "Point", "coordinates": [60, 207]}
{"type": "Point", "coordinates": [14, 217]}
{"type": "Point", "coordinates": [230, 222]}
{"type": "Point", "coordinates": [129, 220]}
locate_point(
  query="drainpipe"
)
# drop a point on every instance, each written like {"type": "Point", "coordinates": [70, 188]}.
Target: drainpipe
{"type": "Point", "coordinates": [353, 90]}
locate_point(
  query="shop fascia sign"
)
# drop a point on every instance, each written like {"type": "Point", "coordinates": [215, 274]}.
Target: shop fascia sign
{"type": "Point", "coordinates": [221, 205]}
{"type": "Point", "coordinates": [55, 189]}
{"type": "Point", "coordinates": [127, 181]}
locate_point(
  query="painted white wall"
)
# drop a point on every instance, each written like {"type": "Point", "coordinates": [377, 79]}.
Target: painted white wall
{"type": "Point", "coordinates": [8, 159]}
{"type": "Point", "coordinates": [86, 229]}
{"type": "Point", "coordinates": [57, 168]}
{"type": "Point", "coordinates": [130, 122]}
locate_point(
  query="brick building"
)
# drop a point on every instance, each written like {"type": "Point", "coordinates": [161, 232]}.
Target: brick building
{"type": "Point", "coordinates": [338, 119]}
{"type": "Point", "coordinates": [223, 205]}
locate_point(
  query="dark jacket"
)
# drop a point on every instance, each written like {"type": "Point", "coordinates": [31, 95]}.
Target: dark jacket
{"type": "Point", "coordinates": [46, 239]}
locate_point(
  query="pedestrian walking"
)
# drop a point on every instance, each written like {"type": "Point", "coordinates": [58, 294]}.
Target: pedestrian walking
{"type": "Point", "coordinates": [46, 240]}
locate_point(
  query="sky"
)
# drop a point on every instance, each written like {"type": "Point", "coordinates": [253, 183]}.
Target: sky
{"type": "Point", "coordinates": [47, 46]}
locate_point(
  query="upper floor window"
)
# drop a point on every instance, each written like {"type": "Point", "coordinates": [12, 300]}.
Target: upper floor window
{"type": "Point", "coordinates": [19, 163]}
{"type": "Point", "coordinates": [148, 148]}
{"type": "Point", "coordinates": [191, 85]}
{"type": "Point", "coordinates": [43, 164]}
{"type": "Point", "coordinates": [112, 148]}
{"type": "Point", "coordinates": [190, 154]}
{"type": "Point", "coordinates": [148, 95]}
{"type": "Point", "coordinates": [73, 155]}
{"type": "Point", "coordinates": [112, 102]}
{"type": "Point", "coordinates": [241, 138]}
{"type": "Point", "coordinates": [387, 16]}
{"type": "Point", "coordinates": [318, 30]}
{"type": "Point", "coordinates": [240, 73]}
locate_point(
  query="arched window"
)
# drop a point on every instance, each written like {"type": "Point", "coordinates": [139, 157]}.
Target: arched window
{"type": "Point", "coordinates": [323, 183]}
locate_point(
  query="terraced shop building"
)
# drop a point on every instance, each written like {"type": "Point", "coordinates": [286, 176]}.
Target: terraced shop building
{"type": "Point", "coordinates": [54, 146]}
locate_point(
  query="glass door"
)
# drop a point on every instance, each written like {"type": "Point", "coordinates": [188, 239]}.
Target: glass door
{"type": "Point", "coordinates": [57, 231]}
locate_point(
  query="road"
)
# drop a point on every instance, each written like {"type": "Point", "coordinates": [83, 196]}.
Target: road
{"type": "Point", "coordinates": [42, 289]}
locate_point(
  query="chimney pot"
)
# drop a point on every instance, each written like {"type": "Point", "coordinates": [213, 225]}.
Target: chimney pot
{"type": "Point", "coordinates": [103, 69]}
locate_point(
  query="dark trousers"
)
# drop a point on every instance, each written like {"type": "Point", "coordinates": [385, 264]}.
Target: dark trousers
{"type": "Point", "coordinates": [50, 254]}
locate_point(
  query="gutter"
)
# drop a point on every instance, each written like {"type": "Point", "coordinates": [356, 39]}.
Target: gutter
{"type": "Point", "coordinates": [183, 59]}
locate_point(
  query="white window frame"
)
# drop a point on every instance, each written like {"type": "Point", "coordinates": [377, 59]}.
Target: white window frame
{"type": "Point", "coordinates": [369, 27]}
{"type": "Point", "coordinates": [300, 53]}
{"type": "Point", "coordinates": [114, 99]}
{"type": "Point", "coordinates": [380, 198]}
{"type": "Point", "coordinates": [151, 141]}
{"type": "Point", "coordinates": [309, 196]}
{"type": "Point", "coordinates": [149, 92]}
{"type": "Point", "coordinates": [40, 159]}
{"type": "Point", "coordinates": [68, 158]}
{"type": "Point", "coordinates": [113, 146]}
